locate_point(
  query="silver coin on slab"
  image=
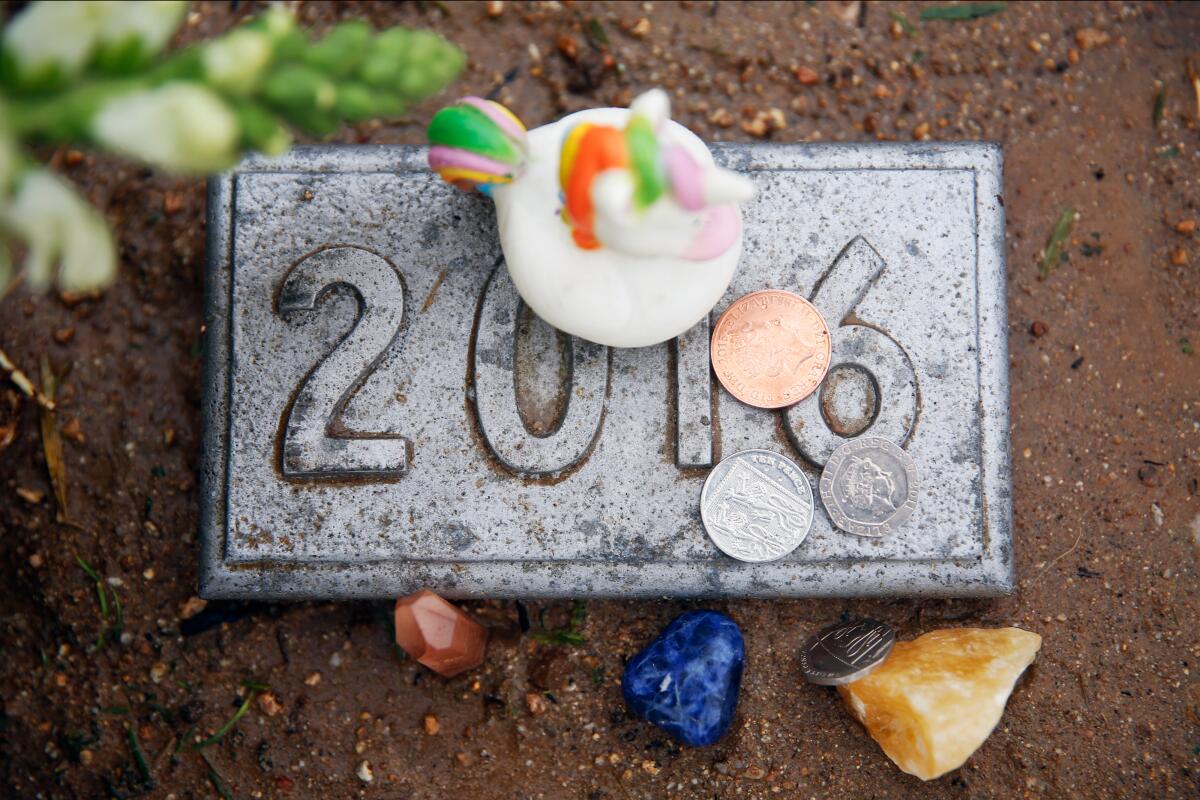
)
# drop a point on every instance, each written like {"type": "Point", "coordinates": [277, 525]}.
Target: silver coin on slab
{"type": "Point", "coordinates": [756, 505]}
{"type": "Point", "coordinates": [869, 486]}
{"type": "Point", "coordinates": [845, 652]}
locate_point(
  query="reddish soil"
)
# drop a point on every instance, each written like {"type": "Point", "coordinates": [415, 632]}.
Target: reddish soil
{"type": "Point", "coordinates": [1106, 446]}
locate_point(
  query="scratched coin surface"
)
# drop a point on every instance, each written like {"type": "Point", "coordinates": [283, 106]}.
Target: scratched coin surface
{"type": "Point", "coordinates": [756, 505]}
{"type": "Point", "coordinates": [869, 486]}
{"type": "Point", "coordinates": [845, 652]}
{"type": "Point", "coordinates": [771, 349]}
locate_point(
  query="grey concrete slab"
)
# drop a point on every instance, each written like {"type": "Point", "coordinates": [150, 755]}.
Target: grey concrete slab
{"type": "Point", "coordinates": [382, 413]}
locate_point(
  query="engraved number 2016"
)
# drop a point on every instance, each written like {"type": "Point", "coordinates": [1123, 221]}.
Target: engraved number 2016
{"type": "Point", "coordinates": [315, 444]}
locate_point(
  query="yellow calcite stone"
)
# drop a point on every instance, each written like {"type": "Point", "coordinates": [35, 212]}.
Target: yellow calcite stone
{"type": "Point", "coordinates": [935, 699]}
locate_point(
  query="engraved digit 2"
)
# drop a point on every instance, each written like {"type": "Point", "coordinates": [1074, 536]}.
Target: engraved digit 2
{"type": "Point", "coordinates": [315, 443]}
{"type": "Point", "coordinates": [494, 385]}
{"type": "Point", "coordinates": [860, 353]}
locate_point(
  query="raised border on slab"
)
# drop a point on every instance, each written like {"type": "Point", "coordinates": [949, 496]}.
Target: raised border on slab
{"type": "Point", "coordinates": [991, 574]}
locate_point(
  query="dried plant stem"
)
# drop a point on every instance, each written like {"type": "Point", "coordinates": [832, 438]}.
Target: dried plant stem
{"type": "Point", "coordinates": [22, 382]}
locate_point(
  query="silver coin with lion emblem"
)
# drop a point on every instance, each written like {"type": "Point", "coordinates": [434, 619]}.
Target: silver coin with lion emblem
{"type": "Point", "coordinates": [869, 486]}
{"type": "Point", "coordinates": [756, 505]}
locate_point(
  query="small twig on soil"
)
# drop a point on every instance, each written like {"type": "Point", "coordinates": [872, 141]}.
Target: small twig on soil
{"type": "Point", "coordinates": [17, 280]}
{"type": "Point", "coordinates": [1058, 558]}
{"type": "Point", "coordinates": [52, 445]}
{"type": "Point", "coordinates": [1194, 77]}
{"type": "Point", "coordinates": [22, 382]}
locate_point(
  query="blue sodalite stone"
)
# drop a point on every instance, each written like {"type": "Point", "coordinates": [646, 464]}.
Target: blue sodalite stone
{"type": "Point", "coordinates": [687, 680]}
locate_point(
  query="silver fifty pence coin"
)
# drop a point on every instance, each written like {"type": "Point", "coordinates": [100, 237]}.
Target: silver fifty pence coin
{"type": "Point", "coordinates": [869, 486]}
{"type": "Point", "coordinates": [845, 652]}
{"type": "Point", "coordinates": [756, 505]}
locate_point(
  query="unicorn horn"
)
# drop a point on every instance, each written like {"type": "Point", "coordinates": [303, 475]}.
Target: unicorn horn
{"type": "Point", "coordinates": [654, 105]}
{"type": "Point", "coordinates": [722, 186]}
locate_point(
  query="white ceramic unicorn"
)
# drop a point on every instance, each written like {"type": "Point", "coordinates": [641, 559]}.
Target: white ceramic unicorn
{"type": "Point", "coordinates": [616, 225]}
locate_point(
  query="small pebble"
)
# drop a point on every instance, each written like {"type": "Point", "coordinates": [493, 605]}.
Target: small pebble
{"type": "Point", "coordinates": [432, 726]}
{"type": "Point", "coordinates": [1187, 227]}
{"type": "Point", "coordinates": [313, 679]}
{"type": "Point", "coordinates": [193, 606]}
{"type": "Point", "coordinates": [364, 772]}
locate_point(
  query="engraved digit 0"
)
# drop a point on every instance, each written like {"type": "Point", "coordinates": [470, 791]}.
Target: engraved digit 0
{"type": "Point", "coordinates": [315, 442]}
{"type": "Point", "coordinates": [861, 353]}
{"type": "Point", "coordinates": [494, 372]}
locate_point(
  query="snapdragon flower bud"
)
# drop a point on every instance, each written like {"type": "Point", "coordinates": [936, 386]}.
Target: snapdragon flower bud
{"type": "Point", "coordinates": [59, 227]}
{"type": "Point", "coordinates": [183, 127]}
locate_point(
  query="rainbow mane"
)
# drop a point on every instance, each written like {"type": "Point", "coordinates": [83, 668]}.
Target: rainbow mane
{"type": "Point", "coordinates": [589, 150]}
{"type": "Point", "coordinates": [476, 144]}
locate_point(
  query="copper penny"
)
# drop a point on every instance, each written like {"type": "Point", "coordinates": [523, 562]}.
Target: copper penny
{"type": "Point", "coordinates": [771, 349]}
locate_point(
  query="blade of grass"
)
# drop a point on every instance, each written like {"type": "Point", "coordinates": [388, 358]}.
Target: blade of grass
{"type": "Point", "coordinates": [963, 11]}
{"type": "Point", "coordinates": [228, 726]}
{"type": "Point", "coordinates": [1054, 245]}
{"type": "Point", "coordinates": [52, 445]}
{"type": "Point", "coordinates": [595, 32]}
{"type": "Point", "coordinates": [101, 596]}
{"type": "Point", "coordinates": [903, 22]}
{"type": "Point", "coordinates": [1160, 106]}
{"type": "Point", "coordinates": [139, 757]}
{"type": "Point", "coordinates": [215, 778]}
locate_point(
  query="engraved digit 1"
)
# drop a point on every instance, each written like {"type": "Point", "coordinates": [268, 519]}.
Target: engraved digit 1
{"type": "Point", "coordinates": [584, 385]}
{"type": "Point", "coordinates": [315, 443]}
{"type": "Point", "coordinates": [863, 357]}
{"type": "Point", "coordinates": [693, 397]}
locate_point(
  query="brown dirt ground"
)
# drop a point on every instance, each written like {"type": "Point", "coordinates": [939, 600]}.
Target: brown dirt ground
{"type": "Point", "coordinates": [1106, 446]}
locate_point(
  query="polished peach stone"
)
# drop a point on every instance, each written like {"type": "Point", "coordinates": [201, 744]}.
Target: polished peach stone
{"type": "Point", "coordinates": [438, 634]}
{"type": "Point", "coordinates": [934, 700]}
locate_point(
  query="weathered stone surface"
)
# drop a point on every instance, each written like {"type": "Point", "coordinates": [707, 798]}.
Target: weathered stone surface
{"type": "Point", "coordinates": [438, 634]}
{"type": "Point", "coordinates": [383, 414]}
{"type": "Point", "coordinates": [935, 699]}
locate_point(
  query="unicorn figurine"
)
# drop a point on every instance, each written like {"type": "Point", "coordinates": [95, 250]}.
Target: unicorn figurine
{"type": "Point", "coordinates": [615, 223]}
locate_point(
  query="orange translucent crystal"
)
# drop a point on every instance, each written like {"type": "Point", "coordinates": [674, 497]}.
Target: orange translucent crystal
{"type": "Point", "coordinates": [935, 699]}
{"type": "Point", "coordinates": [439, 635]}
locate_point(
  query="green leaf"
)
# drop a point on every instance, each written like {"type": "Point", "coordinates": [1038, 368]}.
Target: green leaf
{"type": "Point", "coordinates": [903, 22]}
{"type": "Point", "coordinates": [228, 726]}
{"type": "Point", "coordinates": [1160, 105]}
{"type": "Point", "coordinates": [962, 11]}
{"type": "Point", "coordinates": [1058, 236]}
{"type": "Point", "coordinates": [139, 756]}
{"type": "Point", "coordinates": [595, 32]}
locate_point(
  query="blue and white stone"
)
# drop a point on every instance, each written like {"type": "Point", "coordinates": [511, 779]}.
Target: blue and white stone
{"type": "Point", "coordinates": [687, 680]}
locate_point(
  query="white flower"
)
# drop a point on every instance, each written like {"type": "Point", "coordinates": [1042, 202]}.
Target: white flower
{"type": "Point", "coordinates": [58, 226]}
{"type": "Point", "coordinates": [236, 62]}
{"type": "Point", "coordinates": [63, 35]}
{"type": "Point", "coordinates": [182, 127]}
{"type": "Point", "coordinates": [151, 22]}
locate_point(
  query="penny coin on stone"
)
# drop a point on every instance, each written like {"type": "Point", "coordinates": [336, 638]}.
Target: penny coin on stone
{"type": "Point", "coordinates": [845, 652]}
{"type": "Point", "coordinates": [869, 486]}
{"type": "Point", "coordinates": [771, 349]}
{"type": "Point", "coordinates": [756, 505]}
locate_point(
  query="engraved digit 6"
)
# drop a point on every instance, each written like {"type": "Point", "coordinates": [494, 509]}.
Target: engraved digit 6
{"type": "Point", "coordinates": [860, 352]}
{"type": "Point", "coordinates": [315, 443]}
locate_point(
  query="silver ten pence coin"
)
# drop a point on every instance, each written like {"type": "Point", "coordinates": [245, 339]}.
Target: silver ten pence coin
{"type": "Point", "coordinates": [845, 652]}
{"type": "Point", "coordinates": [869, 486]}
{"type": "Point", "coordinates": [756, 505]}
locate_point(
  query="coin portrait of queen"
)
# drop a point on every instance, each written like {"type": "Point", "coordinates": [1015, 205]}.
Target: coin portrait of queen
{"type": "Point", "coordinates": [615, 223]}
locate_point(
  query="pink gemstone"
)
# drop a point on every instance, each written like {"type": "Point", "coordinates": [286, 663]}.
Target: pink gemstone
{"type": "Point", "coordinates": [439, 635]}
